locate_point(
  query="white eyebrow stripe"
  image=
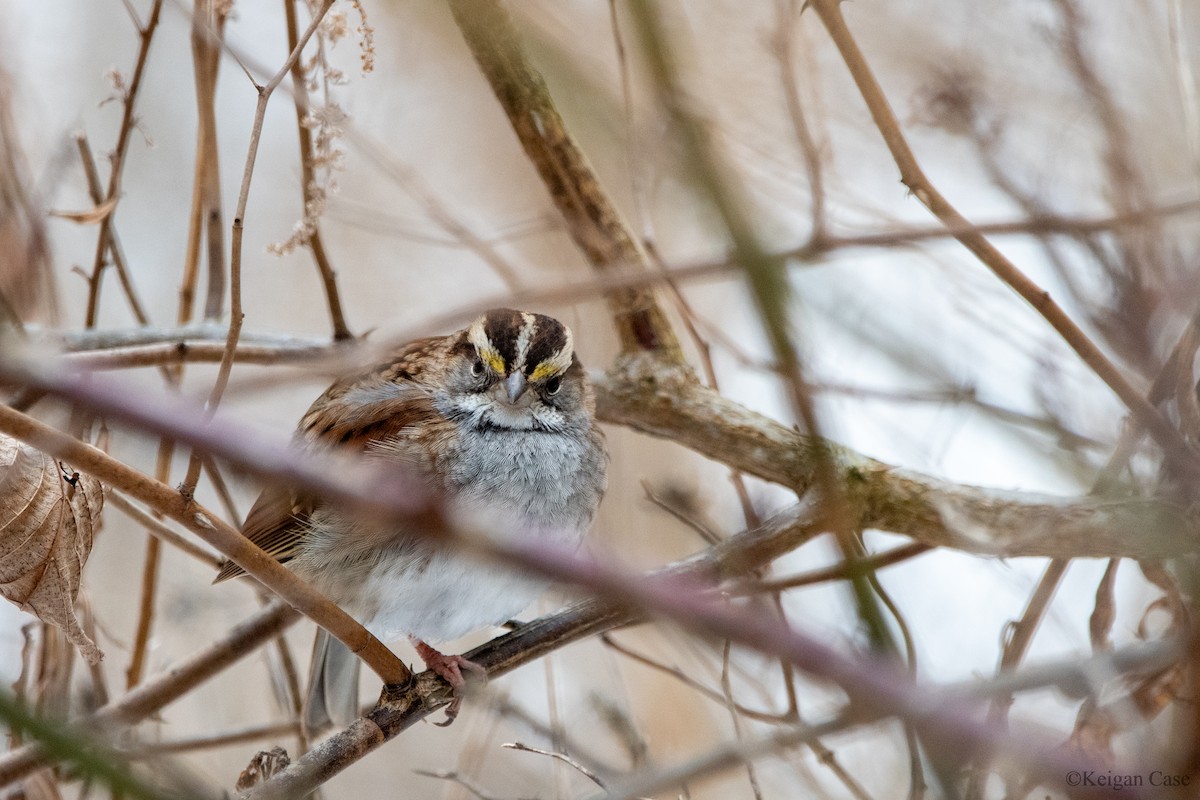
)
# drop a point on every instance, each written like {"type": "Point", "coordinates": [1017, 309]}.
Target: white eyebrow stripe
{"type": "Point", "coordinates": [524, 337]}
{"type": "Point", "coordinates": [477, 337]}
{"type": "Point", "coordinates": [562, 359]}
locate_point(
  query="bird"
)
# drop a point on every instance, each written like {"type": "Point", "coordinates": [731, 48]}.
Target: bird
{"type": "Point", "coordinates": [499, 419]}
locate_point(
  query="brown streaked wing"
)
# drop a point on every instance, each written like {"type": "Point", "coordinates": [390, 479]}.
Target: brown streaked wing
{"type": "Point", "coordinates": [332, 420]}
{"type": "Point", "coordinates": [275, 523]}
{"type": "Point", "coordinates": [277, 519]}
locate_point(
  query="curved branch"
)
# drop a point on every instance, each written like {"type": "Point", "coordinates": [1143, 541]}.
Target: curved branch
{"type": "Point", "coordinates": [662, 400]}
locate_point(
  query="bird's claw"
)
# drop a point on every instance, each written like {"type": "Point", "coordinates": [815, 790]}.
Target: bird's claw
{"type": "Point", "coordinates": [449, 667]}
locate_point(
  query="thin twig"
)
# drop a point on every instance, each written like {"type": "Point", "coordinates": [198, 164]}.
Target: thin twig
{"type": "Point", "coordinates": [113, 193]}
{"type": "Point", "coordinates": [454, 776]}
{"type": "Point", "coordinates": [810, 151]}
{"type": "Point", "coordinates": [692, 683]}
{"type": "Point", "coordinates": [141, 639]}
{"type": "Point", "coordinates": [269, 730]}
{"type": "Point", "coordinates": [236, 315]}
{"type": "Point", "coordinates": [833, 573]}
{"type": "Point", "coordinates": [115, 251]}
{"type": "Point", "coordinates": [161, 531]}
{"type": "Point", "coordinates": [315, 244]}
{"type": "Point", "coordinates": [563, 757]}
{"type": "Point", "coordinates": [731, 707]}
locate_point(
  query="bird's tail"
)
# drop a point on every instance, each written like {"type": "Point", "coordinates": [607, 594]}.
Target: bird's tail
{"type": "Point", "coordinates": [332, 696]}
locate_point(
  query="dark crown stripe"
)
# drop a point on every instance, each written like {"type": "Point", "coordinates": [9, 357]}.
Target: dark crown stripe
{"type": "Point", "coordinates": [550, 338]}
{"type": "Point", "coordinates": [502, 327]}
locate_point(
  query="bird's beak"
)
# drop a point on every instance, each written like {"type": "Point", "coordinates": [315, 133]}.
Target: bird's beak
{"type": "Point", "coordinates": [515, 386]}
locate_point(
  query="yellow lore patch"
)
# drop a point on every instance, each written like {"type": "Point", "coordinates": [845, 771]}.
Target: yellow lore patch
{"type": "Point", "coordinates": [493, 359]}
{"type": "Point", "coordinates": [544, 370]}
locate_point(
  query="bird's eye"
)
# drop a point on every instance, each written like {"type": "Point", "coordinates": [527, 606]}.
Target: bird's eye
{"type": "Point", "coordinates": [553, 385]}
{"type": "Point", "coordinates": [477, 367]}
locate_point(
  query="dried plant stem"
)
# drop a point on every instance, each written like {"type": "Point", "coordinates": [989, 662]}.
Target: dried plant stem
{"type": "Point", "coordinates": [165, 687]}
{"type": "Point", "coordinates": [115, 251]}
{"type": "Point", "coordinates": [252, 733]}
{"type": "Point", "coordinates": [836, 572]}
{"type": "Point", "coordinates": [593, 222]}
{"type": "Point", "coordinates": [150, 564]}
{"type": "Point", "coordinates": [236, 315]}
{"type": "Point", "coordinates": [113, 193]}
{"type": "Point", "coordinates": [315, 245]}
{"type": "Point", "coordinates": [207, 37]}
{"type": "Point", "coordinates": [141, 639]}
{"type": "Point", "coordinates": [161, 531]}
{"type": "Point", "coordinates": [913, 177]}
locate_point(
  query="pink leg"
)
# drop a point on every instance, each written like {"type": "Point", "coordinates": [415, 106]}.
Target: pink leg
{"type": "Point", "coordinates": [451, 668]}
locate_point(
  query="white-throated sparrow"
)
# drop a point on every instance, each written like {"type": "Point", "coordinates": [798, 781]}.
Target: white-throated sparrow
{"type": "Point", "coordinates": [499, 417]}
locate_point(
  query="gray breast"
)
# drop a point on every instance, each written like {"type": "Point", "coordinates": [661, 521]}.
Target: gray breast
{"type": "Point", "coordinates": [553, 480]}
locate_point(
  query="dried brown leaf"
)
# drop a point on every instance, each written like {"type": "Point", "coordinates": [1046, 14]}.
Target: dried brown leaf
{"type": "Point", "coordinates": [47, 518]}
{"type": "Point", "coordinates": [90, 216]}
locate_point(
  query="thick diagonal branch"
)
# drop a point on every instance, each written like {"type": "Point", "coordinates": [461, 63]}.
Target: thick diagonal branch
{"type": "Point", "coordinates": [659, 399]}
{"type": "Point", "coordinates": [593, 221]}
